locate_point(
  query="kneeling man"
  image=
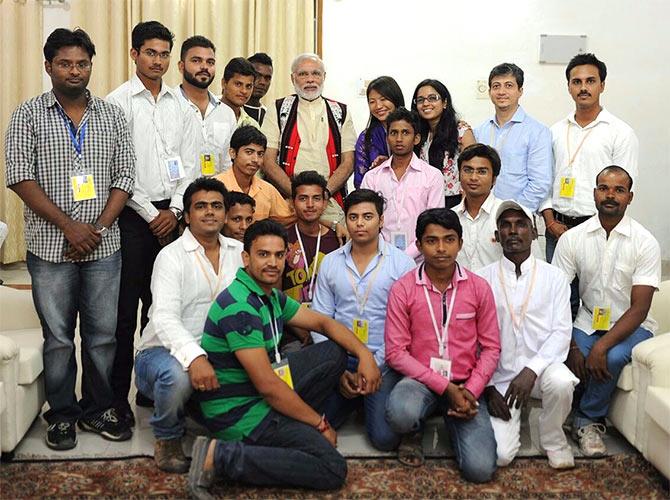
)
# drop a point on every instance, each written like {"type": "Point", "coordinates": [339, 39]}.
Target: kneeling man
{"type": "Point", "coordinates": [533, 304]}
{"type": "Point", "coordinates": [188, 275]}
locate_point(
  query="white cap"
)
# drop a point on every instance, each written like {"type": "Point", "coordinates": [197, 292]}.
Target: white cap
{"type": "Point", "coordinates": [513, 205]}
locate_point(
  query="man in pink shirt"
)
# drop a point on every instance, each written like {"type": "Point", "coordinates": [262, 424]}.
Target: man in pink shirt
{"type": "Point", "coordinates": [408, 184]}
{"type": "Point", "coordinates": [442, 335]}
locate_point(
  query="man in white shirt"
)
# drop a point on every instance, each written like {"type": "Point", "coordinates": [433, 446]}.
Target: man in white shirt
{"type": "Point", "coordinates": [618, 263]}
{"type": "Point", "coordinates": [237, 85]}
{"type": "Point", "coordinates": [188, 275]}
{"type": "Point", "coordinates": [213, 121]}
{"type": "Point", "coordinates": [164, 141]}
{"type": "Point", "coordinates": [584, 142]}
{"type": "Point", "coordinates": [533, 305]}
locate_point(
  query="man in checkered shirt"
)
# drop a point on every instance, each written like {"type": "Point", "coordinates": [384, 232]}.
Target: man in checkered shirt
{"type": "Point", "coordinates": [70, 158]}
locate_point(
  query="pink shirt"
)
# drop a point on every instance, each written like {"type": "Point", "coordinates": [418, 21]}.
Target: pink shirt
{"type": "Point", "coordinates": [421, 187]}
{"type": "Point", "coordinates": [474, 336]}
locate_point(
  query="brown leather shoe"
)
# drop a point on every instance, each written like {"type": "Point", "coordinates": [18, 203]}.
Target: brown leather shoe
{"type": "Point", "coordinates": [169, 456]}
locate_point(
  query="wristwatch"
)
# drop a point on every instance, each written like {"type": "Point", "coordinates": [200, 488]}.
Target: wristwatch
{"type": "Point", "coordinates": [102, 230]}
{"type": "Point", "coordinates": [176, 212]}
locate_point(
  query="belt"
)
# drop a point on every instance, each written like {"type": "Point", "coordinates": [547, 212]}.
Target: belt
{"type": "Point", "coordinates": [570, 221]}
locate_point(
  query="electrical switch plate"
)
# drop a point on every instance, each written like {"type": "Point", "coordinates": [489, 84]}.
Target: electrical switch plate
{"type": "Point", "coordinates": [482, 89]}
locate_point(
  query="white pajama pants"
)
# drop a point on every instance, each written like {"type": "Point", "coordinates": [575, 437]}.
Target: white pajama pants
{"type": "Point", "coordinates": [554, 387]}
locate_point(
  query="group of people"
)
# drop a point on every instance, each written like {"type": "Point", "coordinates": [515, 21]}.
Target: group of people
{"type": "Point", "coordinates": [274, 304]}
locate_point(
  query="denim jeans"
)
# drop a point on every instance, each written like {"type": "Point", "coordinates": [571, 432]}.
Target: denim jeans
{"type": "Point", "coordinates": [159, 376]}
{"type": "Point", "coordinates": [337, 408]}
{"type": "Point", "coordinates": [595, 402]}
{"type": "Point", "coordinates": [411, 403]}
{"type": "Point", "coordinates": [61, 291]}
{"type": "Point", "coordinates": [288, 452]}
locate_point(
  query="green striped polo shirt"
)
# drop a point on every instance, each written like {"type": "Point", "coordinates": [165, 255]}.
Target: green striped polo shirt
{"type": "Point", "coordinates": [240, 319]}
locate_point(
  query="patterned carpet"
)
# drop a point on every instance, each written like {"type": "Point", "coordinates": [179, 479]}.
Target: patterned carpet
{"type": "Point", "coordinates": [621, 476]}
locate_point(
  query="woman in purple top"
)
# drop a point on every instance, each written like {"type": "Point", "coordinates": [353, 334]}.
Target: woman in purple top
{"type": "Point", "coordinates": [384, 96]}
{"type": "Point", "coordinates": [442, 135]}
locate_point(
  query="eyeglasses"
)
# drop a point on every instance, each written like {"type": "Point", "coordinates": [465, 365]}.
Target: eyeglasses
{"type": "Point", "coordinates": [68, 65]}
{"type": "Point", "coordinates": [481, 172]}
{"type": "Point", "coordinates": [431, 98]}
{"type": "Point", "coordinates": [152, 54]}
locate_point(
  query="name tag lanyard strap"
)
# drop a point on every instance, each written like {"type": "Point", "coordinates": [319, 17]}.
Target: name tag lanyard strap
{"type": "Point", "coordinates": [517, 321]}
{"type": "Point", "coordinates": [274, 329]}
{"type": "Point", "coordinates": [213, 290]}
{"type": "Point", "coordinates": [361, 302]}
{"type": "Point", "coordinates": [571, 159]}
{"type": "Point", "coordinates": [310, 292]}
{"type": "Point", "coordinates": [77, 142]}
{"type": "Point", "coordinates": [442, 340]}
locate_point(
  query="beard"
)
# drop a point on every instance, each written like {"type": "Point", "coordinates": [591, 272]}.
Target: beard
{"type": "Point", "coordinates": [192, 79]}
{"type": "Point", "coordinates": [308, 95]}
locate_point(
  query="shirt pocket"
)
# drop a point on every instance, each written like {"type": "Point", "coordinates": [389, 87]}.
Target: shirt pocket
{"type": "Point", "coordinates": [623, 276]}
{"type": "Point", "coordinates": [221, 134]}
{"type": "Point", "coordinates": [466, 315]}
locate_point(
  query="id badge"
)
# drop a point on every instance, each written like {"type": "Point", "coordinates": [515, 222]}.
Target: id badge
{"type": "Point", "coordinates": [361, 329]}
{"type": "Point", "coordinates": [441, 366]}
{"type": "Point", "coordinates": [601, 318]}
{"type": "Point", "coordinates": [306, 305]}
{"type": "Point", "coordinates": [175, 168]}
{"type": "Point", "coordinates": [567, 187]}
{"type": "Point", "coordinates": [207, 164]}
{"type": "Point", "coordinates": [399, 240]}
{"type": "Point", "coordinates": [283, 371]}
{"type": "Point", "coordinates": [83, 187]}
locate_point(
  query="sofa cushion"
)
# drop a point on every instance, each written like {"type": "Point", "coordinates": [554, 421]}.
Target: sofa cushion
{"type": "Point", "coordinates": [30, 344]}
{"type": "Point", "coordinates": [658, 406]}
{"type": "Point", "coordinates": [625, 382]}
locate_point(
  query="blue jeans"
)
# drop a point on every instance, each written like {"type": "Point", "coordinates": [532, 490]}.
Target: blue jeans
{"type": "Point", "coordinates": [411, 403]}
{"type": "Point", "coordinates": [288, 452]}
{"type": "Point", "coordinates": [595, 402]}
{"type": "Point", "coordinates": [337, 408]}
{"type": "Point", "coordinates": [61, 291]}
{"type": "Point", "coordinates": [159, 376]}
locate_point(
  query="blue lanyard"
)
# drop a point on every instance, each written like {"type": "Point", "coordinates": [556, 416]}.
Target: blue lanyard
{"type": "Point", "coordinates": [78, 144]}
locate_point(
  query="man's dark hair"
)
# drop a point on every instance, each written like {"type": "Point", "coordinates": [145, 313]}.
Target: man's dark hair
{"type": "Point", "coordinates": [261, 58]}
{"type": "Point", "coordinates": [62, 37]}
{"type": "Point", "coordinates": [238, 66]}
{"type": "Point", "coordinates": [582, 59]}
{"type": "Point", "coordinates": [365, 196]}
{"type": "Point", "coordinates": [245, 135]}
{"type": "Point", "coordinates": [148, 31]}
{"type": "Point", "coordinates": [308, 178]}
{"type": "Point", "coordinates": [482, 151]}
{"type": "Point", "coordinates": [402, 113]}
{"type": "Point", "coordinates": [506, 69]}
{"type": "Point", "coordinates": [233, 198]}
{"type": "Point", "coordinates": [618, 169]}
{"type": "Point", "coordinates": [203, 184]}
{"type": "Point", "coordinates": [265, 227]}
{"type": "Point", "coordinates": [195, 41]}
{"type": "Point", "coordinates": [442, 217]}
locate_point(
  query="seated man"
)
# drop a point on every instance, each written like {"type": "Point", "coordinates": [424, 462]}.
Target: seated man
{"type": "Point", "coordinates": [371, 266]}
{"type": "Point", "coordinates": [410, 185]}
{"type": "Point", "coordinates": [239, 214]}
{"type": "Point", "coordinates": [442, 335]}
{"type": "Point", "coordinates": [533, 303]}
{"type": "Point", "coordinates": [264, 413]}
{"type": "Point", "coordinates": [187, 276]}
{"type": "Point", "coordinates": [247, 147]}
{"type": "Point", "coordinates": [618, 263]}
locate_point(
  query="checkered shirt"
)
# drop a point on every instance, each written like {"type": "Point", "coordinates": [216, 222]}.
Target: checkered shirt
{"type": "Point", "coordinates": [38, 148]}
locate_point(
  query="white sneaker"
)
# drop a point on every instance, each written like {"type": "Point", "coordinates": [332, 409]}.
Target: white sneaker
{"type": "Point", "coordinates": [561, 459]}
{"type": "Point", "coordinates": [591, 441]}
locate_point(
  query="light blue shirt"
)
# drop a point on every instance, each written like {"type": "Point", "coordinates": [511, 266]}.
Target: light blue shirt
{"type": "Point", "coordinates": [335, 297]}
{"type": "Point", "coordinates": [524, 146]}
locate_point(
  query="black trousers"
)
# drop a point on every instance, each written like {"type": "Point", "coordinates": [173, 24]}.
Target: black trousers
{"type": "Point", "coordinates": [139, 248]}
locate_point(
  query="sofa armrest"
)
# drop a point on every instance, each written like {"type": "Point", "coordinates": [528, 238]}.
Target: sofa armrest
{"type": "Point", "coordinates": [9, 376]}
{"type": "Point", "coordinates": [9, 349]}
{"type": "Point", "coordinates": [652, 355]}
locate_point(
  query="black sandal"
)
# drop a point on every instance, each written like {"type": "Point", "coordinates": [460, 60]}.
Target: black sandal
{"type": "Point", "coordinates": [410, 451]}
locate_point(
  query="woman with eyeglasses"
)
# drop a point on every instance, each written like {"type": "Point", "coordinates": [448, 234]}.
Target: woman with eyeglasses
{"type": "Point", "coordinates": [443, 136]}
{"type": "Point", "coordinates": [384, 96]}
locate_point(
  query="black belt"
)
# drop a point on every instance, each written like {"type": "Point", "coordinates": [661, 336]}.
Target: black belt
{"type": "Point", "coordinates": [570, 221]}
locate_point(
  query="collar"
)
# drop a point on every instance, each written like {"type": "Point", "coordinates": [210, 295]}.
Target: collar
{"type": "Point", "coordinates": [488, 206]}
{"type": "Point", "coordinates": [623, 227]}
{"type": "Point", "coordinates": [415, 163]}
{"type": "Point", "coordinates": [51, 100]}
{"type": "Point", "coordinates": [604, 116]}
{"type": "Point", "coordinates": [250, 283]}
{"type": "Point", "coordinates": [137, 87]}
{"type": "Point", "coordinates": [315, 103]}
{"type": "Point", "coordinates": [510, 266]}
{"type": "Point", "coordinates": [518, 116]}
{"type": "Point", "coordinates": [422, 279]}
{"type": "Point", "coordinates": [381, 247]}
{"type": "Point", "coordinates": [229, 176]}
{"type": "Point", "coordinates": [191, 244]}
{"type": "Point", "coordinates": [212, 98]}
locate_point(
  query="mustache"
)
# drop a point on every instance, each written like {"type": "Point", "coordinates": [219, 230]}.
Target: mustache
{"type": "Point", "coordinates": [584, 94]}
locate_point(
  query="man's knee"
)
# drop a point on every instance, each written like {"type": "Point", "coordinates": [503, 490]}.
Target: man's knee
{"type": "Point", "coordinates": [403, 414]}
{"type": "Point", "coordinates": [336, 474]}
{"type": "Point", "coordinates": [618, 357]}
{"type": "Point", "coordinates": [506, 453]}
{"type": "Point", "coordinates": [560, 381]}
{"type": "Point", "coordinates": [384, 439]}
{"type": "Point", "coordinates": [479, 468]}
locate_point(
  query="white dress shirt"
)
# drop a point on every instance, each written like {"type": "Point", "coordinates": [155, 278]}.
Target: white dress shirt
{"type": "Point", "coordinates": [605, 141]}
{"type": "Point", "coordinates": [184, 286]}
{"type": "Point", "coordinates": [213, 132]}
{"type": "Point", "coordinates": [160, 130]}
{"type": "Point", "coordinates": [542, 336]}
{"type": "Point", "coordinates": [608, 268]}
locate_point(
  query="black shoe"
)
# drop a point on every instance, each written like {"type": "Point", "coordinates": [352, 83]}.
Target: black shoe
{"type": "Point", "coordinates": [143, 401]}
{"type": "Point", "coordinates": [108, 425]}
{"type": "Point", "coordinates": [61, 436]}
{"type": "Point", "coordinates": [126, 415]}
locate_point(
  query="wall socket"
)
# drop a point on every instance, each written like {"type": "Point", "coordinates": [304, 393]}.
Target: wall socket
{"type": "Point", "coordinates": [482, 89]}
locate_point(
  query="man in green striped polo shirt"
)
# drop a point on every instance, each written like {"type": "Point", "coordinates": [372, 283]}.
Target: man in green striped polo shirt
{"type": "Point", "coordinates": [265, 413]}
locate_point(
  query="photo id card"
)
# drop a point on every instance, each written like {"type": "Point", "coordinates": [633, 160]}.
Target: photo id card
{"type": "Point", "coordinates": [175, 168]}
{"type": "Point", "coordinates": [601, 318]}
{"type": "Point", "coordinates": [360, 329]}
{"type": "Point", "coordinates": [283, 371]}
{"type": "Point", "coordinates": [207, 164]}
{"type": "Point", "coordinates": [441, 366]}
{"type": "Point", "coordinates": [567, 187]}
{"type": "Point", "coordinates": [83, 187]}
{"type": "Point", "coordinates": [399, 240]}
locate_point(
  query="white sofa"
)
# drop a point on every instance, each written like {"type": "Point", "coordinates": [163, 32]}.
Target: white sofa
{"type": "Point", "coordinates": [21, 369]}
{"type": "Point", "coordinates": [643, 390]}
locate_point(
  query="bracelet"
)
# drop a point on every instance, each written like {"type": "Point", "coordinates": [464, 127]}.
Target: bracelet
{"type": "Point", "coordinates": [330, 195]}
{"type": "Point", "coordinates": [323, 425]}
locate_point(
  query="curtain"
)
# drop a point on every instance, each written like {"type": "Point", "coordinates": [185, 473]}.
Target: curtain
{"type": "Point", "coordinates": [21, 69]}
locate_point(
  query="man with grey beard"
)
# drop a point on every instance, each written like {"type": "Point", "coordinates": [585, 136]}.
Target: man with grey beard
{"type": "Point", "coordinates": [307, 131]}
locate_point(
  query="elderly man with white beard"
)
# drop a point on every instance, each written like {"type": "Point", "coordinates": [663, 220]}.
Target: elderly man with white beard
{"type": "Point", "coordinates": [307, 131]}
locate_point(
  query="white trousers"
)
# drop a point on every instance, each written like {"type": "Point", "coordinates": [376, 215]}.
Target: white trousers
{"type": "Point", "coordinates": [554, 387]}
